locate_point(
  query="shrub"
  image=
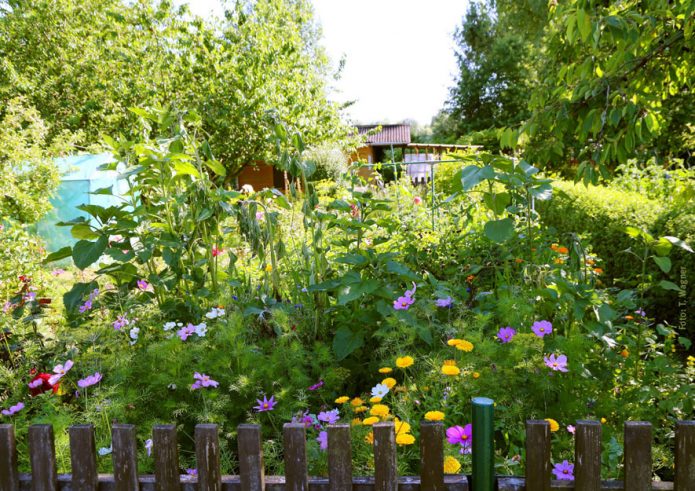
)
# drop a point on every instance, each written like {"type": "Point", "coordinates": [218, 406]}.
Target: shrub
{"type": "Point", "coordinates": [603, 212]}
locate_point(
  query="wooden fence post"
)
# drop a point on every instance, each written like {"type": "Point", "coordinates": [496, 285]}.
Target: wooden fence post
{"type": "Point", "coordinates": [125, 457]}
{"type": "Point", "coordinates": [251, 471]}
{"type": "Point", "coordinates": [207, 456]}
{"type": "Point", "coordinates": [9, 477]}
{"type": "Point", "coordinates": [166, 457]}
{"type": "Point", "coordinates": [339, 458]}
{"type": "Point", "coordinates": [385, 471]}
{"type": "Point", "coordinates": [83, 458]}
{"type": "Point", "coordinates": [44, 475]}
{"type": "Point", "coordinates": [538, 455]}
{"type": "Point", "coordinates": [294, 441]}
{"type": "Point", "coordinates": [431, 456]}
{"type": "Point", "coordinates": [587, 459]}
{"type": "Point", "coordinates": [685, 456]}
{"type": "Point", "coordinates": [638, 456]}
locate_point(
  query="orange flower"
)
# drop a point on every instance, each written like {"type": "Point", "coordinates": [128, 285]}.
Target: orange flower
{"type": "Point", "coordinates": [518, 260]}
{"type": "Point", "coordinates": [629, 317]}
{"type": "Point", "coordinates": [476, 375]}
{"type": "Point", "coordinates": [590, 261]}
{"type": "Point", "coordinates": [470, 278]}
{"type": "Point", "coordinates": [598, 270]}
{"type": "Point", "coordinates": [562, 250]}
{"type": "Point", "coordinates": [625, 353]}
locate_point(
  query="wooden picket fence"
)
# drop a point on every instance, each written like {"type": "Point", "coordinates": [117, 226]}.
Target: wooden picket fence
{"type": "Point", "coordinates": [167, 477]}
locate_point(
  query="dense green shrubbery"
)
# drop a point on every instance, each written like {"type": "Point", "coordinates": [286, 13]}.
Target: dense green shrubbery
{"type": "Point", "coordinates": [602, 213]}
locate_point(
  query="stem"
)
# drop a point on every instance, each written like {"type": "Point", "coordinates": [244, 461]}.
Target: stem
{"type": "Point", "coordinates": [641, 301]}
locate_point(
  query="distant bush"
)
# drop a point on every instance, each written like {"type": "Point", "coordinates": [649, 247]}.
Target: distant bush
{"type": "Point", "coordinates": [601, 213]}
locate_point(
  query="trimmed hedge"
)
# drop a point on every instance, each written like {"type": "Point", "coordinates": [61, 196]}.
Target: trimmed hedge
{"type": "Point", "coordinates": [601, 213]}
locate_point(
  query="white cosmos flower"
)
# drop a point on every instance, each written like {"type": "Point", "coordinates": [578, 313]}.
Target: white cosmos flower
{"type": "Point", "coordinates": [201, 329]}
{"type": "Point", "coordinates": [379, 390]}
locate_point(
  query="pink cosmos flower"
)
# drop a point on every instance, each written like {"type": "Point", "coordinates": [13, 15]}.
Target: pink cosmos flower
{"type": "Point", "coordinates": [148, 446]}
{"type": "Point", "coordinates": [542, 328]}
{"type": "Point", "coordinates": [120, 322]}
{"type": "Point", "coordinates": [571, 429]}
{"type": "Point", "coordinates": [329, 417]}
{"type": "Point", "coordinates": [259, 215]}
{"type": "Point", "coordinates": [403, 303]}
{"type": "Point", "coordinates": [556, 363]}
{"type": "Point", "coordinates": [57, 272]}
{"type": "Point", "coordinates": [216, 251]}
{"type": "Point", "coordinates": [266, 404]}
{"type": "Point", "coordinates": [410, 293]}
{"type": "Point", "coordinates": [86, 306]}
{"type": "Point", "coordinates": [89, 381]}
{"type": "Point", "coordinates": [60, 371]}
{"type": "Point", "coordinates": [13, 409]}
{"type": "Point", "coordinates": [505, 334]}
{"type": "Point", "coordinates": [185, 332]}
{"type": "Point", "coordinates": [36, 383]}
{"type": "Point", "coordinates": [323, 440]}
{"type": "Point", "coordinates": [446, 302]}
{"type": "Point", "coordinates": [417, 200]}
{"type": "Point", "coordinates": [202, 380]}
{"type": "Point", "coordinates": [564, 471]}
{"type": "Point", "coordinates": [461, 435]}
{"type": "Point", "coordinates": [144, 286]}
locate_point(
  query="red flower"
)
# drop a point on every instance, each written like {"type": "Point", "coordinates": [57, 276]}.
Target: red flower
{"type": "Point", "coordinates": [45, 385]}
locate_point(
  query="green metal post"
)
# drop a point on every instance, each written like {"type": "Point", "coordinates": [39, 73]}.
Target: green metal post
{"type": "Point", "coordinates": [432, 194]}
{"type": "Point", "coordinates": [483, 445]}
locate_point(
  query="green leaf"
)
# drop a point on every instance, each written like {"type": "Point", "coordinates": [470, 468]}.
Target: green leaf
{"type": "Point", "coordinates": [584, 24]}
{"type": "Point", "coordinates": [105, 191]}
{"type": "Point", "coordinates": [499, 230]}
{"type": "Point", "coordinates": [667, 285]}
{"type": "Point", "coordinates": [354, 291]}
{"type": "Point", "coordinates": [663, 262]}
{"type": "Point", "coordinates": [678, 242]}
{"type": "Point", "coordinates": [86, 253]}
{"type": "Point", "coordinates": [58, 255]}
{"type": "Point", "coordinates": [354, 259]}
{"type": "Point", "coordinates": [401, 270]}
{"type": "Point", "coordinates": [83, 231]}
{"type": "Point", "coordinates": [606, 313]}
{"type": "Point", "coordinates": [473, 175]}
{"type": "Point", "coordinates": [497, 202]}
{"type": "Point", "coordinates": [685, 342]}
{"type": "Point", "coordinates": [73, 298]}
{"type": "Point", "coordinates": [216, 167]}
{"type": "Point", "coordinates": [346, 342]}
{"type": "Point", "coordinates": [185, 168]}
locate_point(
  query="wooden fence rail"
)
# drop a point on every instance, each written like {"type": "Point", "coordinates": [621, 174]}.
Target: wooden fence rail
{"type": "Point", "coordinates": [84, 477]}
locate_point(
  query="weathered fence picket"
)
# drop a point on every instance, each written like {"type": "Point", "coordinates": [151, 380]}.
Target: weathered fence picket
{"type": "Point", "coordinates": [167, 477]}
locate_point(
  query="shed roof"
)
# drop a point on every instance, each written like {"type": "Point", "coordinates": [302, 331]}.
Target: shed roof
{"type": "Point", "coordinates": [396, 134]}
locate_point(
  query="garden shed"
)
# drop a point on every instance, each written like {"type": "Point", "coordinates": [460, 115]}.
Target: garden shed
{"type": "Point", "coordinates": [80, 176]}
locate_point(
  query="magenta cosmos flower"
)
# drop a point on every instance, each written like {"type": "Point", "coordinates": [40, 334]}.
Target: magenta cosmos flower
{"type": "Point", "coordinates": [202, 380]}
{"type": "Point", "coordinates": [317, 385]}
{"type": "Point", "coordinates": [403, 303]}
{"type": "Point", "coordinates": [216, 251]}
{"type": "Point", "coordinates": [90, 380]}
{"type": "Point", "coordinates": [323, 440]}
{"type": "Point", "coordinates": [564, 471]}
{"type": "Point", "coordinates": [60, 371]}
{"type": "Point", "coordinates": [13, 409]}
{"type": "Point", "coordinates": [329, 417]}
{"type": "Point", "coordinates": [266, 404]}
{"type": "Point", "coordinates": [461, 435]}
{"type": "Point", "coordinates": [542, 328]}
{"type": "Point", "coordinates": [559, 364]}
{"type": "Point", "coordinates": [505, 334]}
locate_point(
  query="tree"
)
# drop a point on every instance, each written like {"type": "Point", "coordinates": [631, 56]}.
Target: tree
{"type": "Point", "coordinates": [28, 174]}
{"type": "Point", "coordinates": [494, 80]}
{"type": "Point", "coordinates": [613, 78]}
{"type": "Point", "coordinates": [84, 63]}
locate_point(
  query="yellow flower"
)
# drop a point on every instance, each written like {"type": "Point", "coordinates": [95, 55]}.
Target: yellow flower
{"type": "Point", "coordinates": [389, 382]}
{"type": "Point", "coordinates": [450, 370]}
{"type": "Point", "coordinates": [342, 400]}
{"type": "Point", "coordinates": [268, 268]}
{"type": "Point", "coordinates": [401, 426]}
{"type": "Point", "coordinates": [691, 361]}
{"type": "Point", "coordinates": [464, 345]}
{"type": "Point", "coordinates": [360, 409]}
{"type": "Point", "coordinates": [370, 421]}
{"type": "Point", "coordinates": [434, 416]}
{"type": "Point", "coordinates": [554, 426]}
{"type": "Point", "coordinates": [404, 361]}
{"type": "Point", "coordinates": [356, 402]}
{"type": "Point", "coordinates": [356, 422]}
{"type": "Point", "coordinates": [405, 439]}
{"type": "Point", "coordinates": [369, 438]}
{"type": "Point", "coordinates": [450, 363]}
{"type": "Point", "coordinates": [451, 465]}
{"type": "Point", "coordinates": [559, 260]}
{"type": "Point", "coordinates": [375, 399]}
{"type": "Point", "coordinates": [603, 421]}
{"type": "Point", "coordinates": [385, 370]}
{"type": "Point", "coordinates": [380, 410]}
{"type": "Point", "coordinates": [453, 342]}
{"type": "Point", "coordinates": [476, 375]}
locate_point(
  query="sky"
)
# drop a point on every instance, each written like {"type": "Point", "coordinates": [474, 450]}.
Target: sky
{"type": "Point", "coordinates": [399, 54]}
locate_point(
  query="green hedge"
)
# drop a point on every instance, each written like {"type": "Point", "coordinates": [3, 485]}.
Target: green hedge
{"type": "Point", "coordinates": [601, 213]}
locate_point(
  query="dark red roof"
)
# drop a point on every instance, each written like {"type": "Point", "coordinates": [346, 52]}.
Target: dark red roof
{"type": "Point", "coordinates": [390, 133]}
